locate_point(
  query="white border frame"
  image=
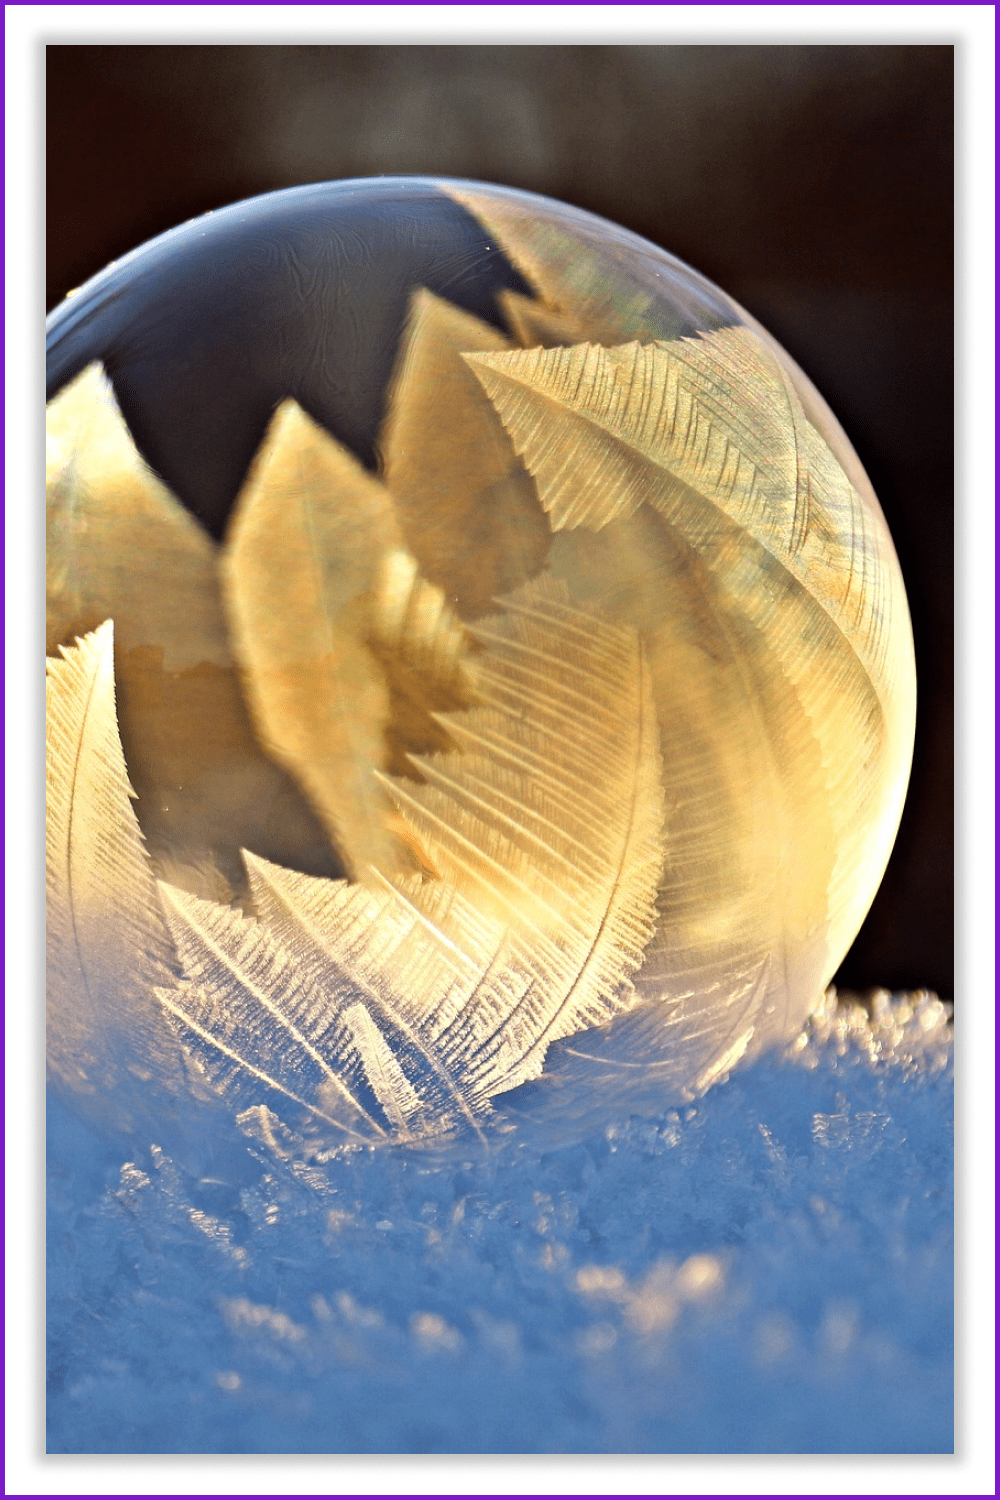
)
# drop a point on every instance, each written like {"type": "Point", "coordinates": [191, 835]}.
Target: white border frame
{"type": "Point", "coordinates": [971, 29]}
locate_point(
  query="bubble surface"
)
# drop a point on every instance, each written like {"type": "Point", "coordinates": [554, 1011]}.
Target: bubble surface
{"type": "Point", "coordinates": [510, 659]}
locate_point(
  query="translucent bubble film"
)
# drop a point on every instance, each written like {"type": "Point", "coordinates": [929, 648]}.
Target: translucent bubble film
{"type": "Point", "coordinates": [480, 681]}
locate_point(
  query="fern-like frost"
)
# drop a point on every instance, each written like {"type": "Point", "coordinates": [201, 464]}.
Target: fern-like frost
{"type": "Point", "coordinates": [107, 946]}
{"type": "Point", "coordinates": [403, 1009]}
{"type": "Point", "coordinates": [781, 665]}
{"type": "Point", "coordinates": [340, 643]}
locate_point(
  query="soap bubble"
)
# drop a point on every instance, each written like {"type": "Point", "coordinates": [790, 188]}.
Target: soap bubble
{"type": "Point", "coordinates": [510, 659]}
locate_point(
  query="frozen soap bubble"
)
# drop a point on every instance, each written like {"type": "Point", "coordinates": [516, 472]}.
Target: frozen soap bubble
{"type": "Point", "coordinates": [509, 657]}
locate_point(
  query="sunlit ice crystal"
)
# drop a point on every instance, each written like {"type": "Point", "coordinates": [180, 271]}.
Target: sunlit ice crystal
{"type": "Point", "coordinates": [504, 647]}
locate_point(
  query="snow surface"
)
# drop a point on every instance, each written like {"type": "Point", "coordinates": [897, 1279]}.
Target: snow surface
{"type": "Point", "coordinates": [769, 1271]}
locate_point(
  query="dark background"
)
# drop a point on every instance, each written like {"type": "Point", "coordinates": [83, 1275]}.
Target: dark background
{"type": "Point", "coordinates": [813, 183]}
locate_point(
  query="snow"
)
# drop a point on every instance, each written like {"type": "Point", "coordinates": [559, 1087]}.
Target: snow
{"type": "Point", "coordinates": [768, 1271]}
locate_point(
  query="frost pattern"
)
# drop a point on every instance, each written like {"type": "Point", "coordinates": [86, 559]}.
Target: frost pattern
{"type": "Point", "coordinates": [402, 1010]}
{"type": "Point", "coordinates": [106, 942]}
